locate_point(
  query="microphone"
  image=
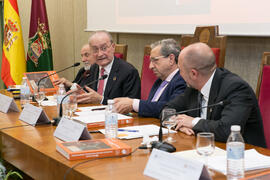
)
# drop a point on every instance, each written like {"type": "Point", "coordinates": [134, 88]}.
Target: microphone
{"type": "Point", "coordinates": [74, 65]}
{"type": "Point", "coordinates": [220, 103]}
{"type": "Point", "coordinates": [56, 120]}
{"type": "Point", "coordinates": [164, 146]}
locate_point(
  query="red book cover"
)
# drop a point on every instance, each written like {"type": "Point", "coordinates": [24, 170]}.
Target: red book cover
{"type": "Point", "coordinates": [87, 149]}
{"type": "Point", "coordinates": [34, 77]}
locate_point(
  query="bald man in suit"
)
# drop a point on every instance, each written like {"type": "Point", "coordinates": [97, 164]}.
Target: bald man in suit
{"type": "Point", "coordinates": [208, 85]}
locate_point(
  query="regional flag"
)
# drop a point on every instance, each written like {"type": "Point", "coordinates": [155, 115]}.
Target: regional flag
{"type": "Point", "coordinates": [39, 55]}
{"type": "Point", "coordinates": [13, 59]}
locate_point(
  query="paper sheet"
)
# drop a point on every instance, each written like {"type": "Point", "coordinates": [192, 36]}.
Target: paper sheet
{"type": "Point", "coordinates": [218, 161]}
{"type": "Point", "coordinates": [150, 130]}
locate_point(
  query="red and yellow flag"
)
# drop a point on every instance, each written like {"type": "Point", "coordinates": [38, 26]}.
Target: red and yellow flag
{"type": "Point", "coordinates": [13, 58]}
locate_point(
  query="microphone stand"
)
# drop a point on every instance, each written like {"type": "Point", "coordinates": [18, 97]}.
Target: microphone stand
{"type": "Point", "coordinates": [57, 119]}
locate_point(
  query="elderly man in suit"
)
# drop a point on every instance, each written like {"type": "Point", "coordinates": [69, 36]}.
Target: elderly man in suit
{"type": "Point", "coordinates": [82, 76]}
{"type": "Point", "coordinates": [123, 79]}
{"type": "Point", "coordinates": [163, 62]}
{"type": "Point", "coordinates": [208, 85]}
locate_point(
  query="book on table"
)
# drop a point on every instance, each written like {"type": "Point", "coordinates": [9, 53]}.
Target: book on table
{"type": "Point", "coordinates": [95, 117]}
{"type": "Point", "coordinates": [87, 149]}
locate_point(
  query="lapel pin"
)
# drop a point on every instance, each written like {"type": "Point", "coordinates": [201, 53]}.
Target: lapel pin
{"type": "Point", "coordinates": [114, 78]}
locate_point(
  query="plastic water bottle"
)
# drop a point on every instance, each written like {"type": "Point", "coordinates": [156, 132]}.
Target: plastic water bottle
{"type": "Point", "coordinates": [60, 94]}
{"type": "Point", "coordinates": [25, 93]}
{"type": "Point", "coordinates": [235, 154]}
{"type": "Point", "coordinates": [111, 121]}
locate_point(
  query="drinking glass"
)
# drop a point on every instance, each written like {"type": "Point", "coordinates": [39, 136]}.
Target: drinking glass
{"type": "Point", "coordinates": [72, 104]}
{"type": "Point", "coordinates": [169, 121]}
{"type": "Point", "coordinates": [39, 95]}
{"type": "Point", "coordinates": [205, 144]}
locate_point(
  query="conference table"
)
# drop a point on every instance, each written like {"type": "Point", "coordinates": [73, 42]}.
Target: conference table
{"type": "Point", "coordinates": [33, 150]}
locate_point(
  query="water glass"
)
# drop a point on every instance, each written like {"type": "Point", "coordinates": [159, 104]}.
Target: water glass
{"type": "Point", "coordinates": [39, 95]}
{"type": "Point", "coordinates": [205, 144]}
{"type": "Point", "coordinates": [169, 121]}
{"type": "Point", "coordinates": [72, 104]}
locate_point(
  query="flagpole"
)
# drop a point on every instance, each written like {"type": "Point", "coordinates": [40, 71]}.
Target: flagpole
{"type": "Point", "coordinates": [2, 86]}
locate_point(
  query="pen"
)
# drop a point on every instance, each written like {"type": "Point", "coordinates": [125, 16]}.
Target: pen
{"type": "Point", "coordinates": [97, 109]}
{"type": "Point", "coordinates": [128, 130]}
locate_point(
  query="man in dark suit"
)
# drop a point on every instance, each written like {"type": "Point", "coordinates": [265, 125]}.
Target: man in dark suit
{"type": "Point", "coordinates": [163, 62]}
{"type": "Point", "coordinates": [123, 79]}
{"type": "Point", "coordinates": [81, 78]}
{"type": "Point", "coordinates": [208, 85]}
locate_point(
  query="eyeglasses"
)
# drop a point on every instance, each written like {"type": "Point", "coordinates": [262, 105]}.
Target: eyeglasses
{"type": "Point", "coordinates": [155, 59]}
{"type": "Point", "coordinates": [103, 48]}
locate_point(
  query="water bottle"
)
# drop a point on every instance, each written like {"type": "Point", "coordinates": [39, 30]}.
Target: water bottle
{"type": "Point", "coordinates": [25, 93]}
{"type": "Point", "coordinates": [111, 121]}
{"type": "Point", "coordinates": [60, 94]}
{"type": "Point", "coordinates": [235, 154]}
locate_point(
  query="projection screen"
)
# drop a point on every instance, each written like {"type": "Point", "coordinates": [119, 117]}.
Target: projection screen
{"type": "Point", "coordinates": [234, 17]}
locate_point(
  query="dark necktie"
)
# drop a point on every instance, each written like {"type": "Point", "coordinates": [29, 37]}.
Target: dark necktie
{"type": "Point", "coordinates": [200, 98]}
{"type": "Point", "coordinates": [86, 73]}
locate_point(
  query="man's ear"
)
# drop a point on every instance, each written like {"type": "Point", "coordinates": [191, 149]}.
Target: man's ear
{"type": "Point", "coordinates": [172, 59]}
{"type": "Point", "coordinates": [194, 74]}
{"type": "Point", "coordinates": [113, 45]}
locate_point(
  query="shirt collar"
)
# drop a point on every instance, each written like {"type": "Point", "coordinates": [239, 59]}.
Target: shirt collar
{"type": "Point", "coordinates": [107, 68]}
{"type": "Point", "coordinates": [169, 78]}
{"type": "Point", "coordinates": [206, 88]}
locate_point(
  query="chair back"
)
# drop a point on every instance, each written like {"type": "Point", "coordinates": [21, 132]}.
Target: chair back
{"type": "Point", "coordinates": [210, 36]}
{"type": "Point", "coordinates": [147, 76]}
{"type": "Point", "coordinates": [121, 51]}
{"type": "Point", "coordinates": [263, 95]}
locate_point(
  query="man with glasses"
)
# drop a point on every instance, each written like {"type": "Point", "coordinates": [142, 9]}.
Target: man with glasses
{"type": "Point", "coordinates": [163, 62]}
{"type": "Point", "coordinates": [82, 76]}
{"type": "Point", "coordinates": [208, 85]}
{"type": "Point", "coordinates": [123, 79]}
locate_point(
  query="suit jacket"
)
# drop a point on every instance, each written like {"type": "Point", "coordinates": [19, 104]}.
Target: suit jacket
{"type": "Point", "coordinates": [152, 109]}
{"type": "Point", "coordinates": [123, 80]}
{"type": "Point", "coordinates": [80, 80]}
{"type": "Point", "coordinates": [243, 109]}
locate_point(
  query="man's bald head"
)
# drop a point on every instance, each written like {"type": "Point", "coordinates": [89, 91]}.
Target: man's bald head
{"type": "Point", "coordinates": [199, 56]}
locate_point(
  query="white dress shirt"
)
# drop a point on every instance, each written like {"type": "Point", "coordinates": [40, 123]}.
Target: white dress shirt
{"type": "Point", "coordinates": [205, 91]}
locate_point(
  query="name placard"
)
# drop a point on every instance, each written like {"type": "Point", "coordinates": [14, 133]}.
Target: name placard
{"type": "Point", "coordinates": [68, 130]}
{"type": "Point", "coordinates": [7, 104]}
{"type": "Point", "coordinates": [163, 165]}
{"type": "Point", "coordinates": [33, 115]}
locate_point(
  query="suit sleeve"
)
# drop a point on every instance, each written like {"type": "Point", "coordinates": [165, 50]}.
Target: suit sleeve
{"type": "Point", "coordinates": [236, 113]}
{"type": "Point", "coordinates": [153, 109]}
{"type": "Point", "coordinates": [132, 85]}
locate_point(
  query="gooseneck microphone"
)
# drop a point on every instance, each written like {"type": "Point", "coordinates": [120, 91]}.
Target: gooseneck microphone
{"type": "Point", "coordinates": [164, 146]}
{"type": "Point", "coordinates": [220, 103]}
{"type": "Point", "coordinates": [74, 65]}
{"type": "Point", "coordinates": [56, 120]}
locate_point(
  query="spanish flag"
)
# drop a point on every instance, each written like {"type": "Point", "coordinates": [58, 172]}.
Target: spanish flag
{"type": "Point", "coordinates": [13, 58]}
